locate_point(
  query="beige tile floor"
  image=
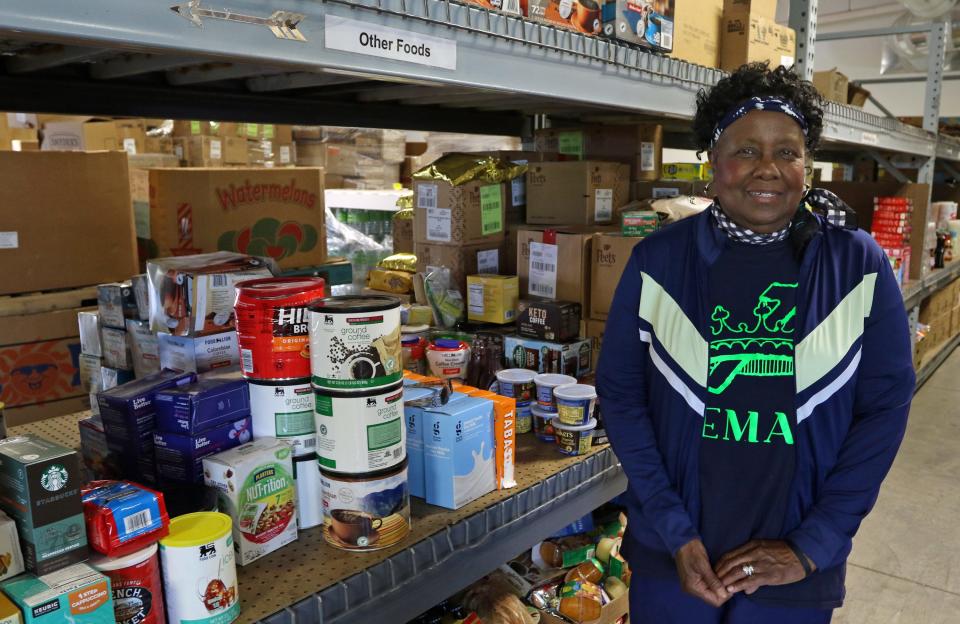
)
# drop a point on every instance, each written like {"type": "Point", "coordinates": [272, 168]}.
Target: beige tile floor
{"type": "Point", "coordinates": [905, 565]}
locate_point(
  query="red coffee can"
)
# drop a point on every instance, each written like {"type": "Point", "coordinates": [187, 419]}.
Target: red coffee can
{"type": "Point", "coordinates": [136, 584]}
{"type": "Point", "coordinates": [273, 328]}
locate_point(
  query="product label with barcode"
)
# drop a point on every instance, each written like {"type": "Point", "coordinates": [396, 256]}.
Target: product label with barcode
{"type": "Point", "coordinates": [666, 34]}
{"type": "Point", "coordinates": [543, 270]}
{"type": "Point", "coordinates": [511, 7]}
{"type": "Point", "coordinates": [178, 151]}
{"type": "Point", "coordinates": [130, 146]}
{"type": "Point", "coordinates": [475, 298]}
{"type": "Point", "coordinates": [491, 209]}
{"type": "Point", "coordinates": [9, 240]}
{"type": "Point", "coordinates": [648, 162]}
{"type": "Point", "coordinates": [135, 511]}
{"type": "Point", "coordinates": [665, 191]}
{"type": "Point", "coordinates": [603, 205]}
{"type": "Point", "coordinates": [215, 151]}
{"type": "Point", "coordinates": [246, 361]}
{"type": "Point", "coordinates": [518, 187]}
{"type": "Point", "coordinates": [439, 224]}
{"type": "Point", "coordinates": [426, 196]}
{"type": "Point", "coordinates": [284, 154]}
{"type": "Point", "coordinates": [488, 261]}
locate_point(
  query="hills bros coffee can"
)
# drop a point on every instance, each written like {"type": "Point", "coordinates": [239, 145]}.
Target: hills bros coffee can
{"type": "Point", "coordinates": [273, 326]}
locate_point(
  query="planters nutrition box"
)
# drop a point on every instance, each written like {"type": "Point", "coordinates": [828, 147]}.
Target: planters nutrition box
{"type": "Point", "coordinates": [40, 490]}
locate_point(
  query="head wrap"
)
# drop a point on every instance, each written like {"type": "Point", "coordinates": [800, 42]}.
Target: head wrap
{"type": "Point", "coordinates": [774, 104]}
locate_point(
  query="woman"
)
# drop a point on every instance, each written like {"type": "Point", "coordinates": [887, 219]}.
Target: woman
{"type": "Point", "coordinates": [755, 376]}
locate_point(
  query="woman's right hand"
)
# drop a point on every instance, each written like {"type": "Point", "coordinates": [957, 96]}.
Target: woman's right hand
{"type": "Point", "coordinates": [697, 577]}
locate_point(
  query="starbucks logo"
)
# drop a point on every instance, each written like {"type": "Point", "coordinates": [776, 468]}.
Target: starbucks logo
{"type": "Point", "coordinates": [54, 478]}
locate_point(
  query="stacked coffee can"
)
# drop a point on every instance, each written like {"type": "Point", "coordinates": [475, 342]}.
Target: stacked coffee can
{"type": "Point", "coordinates": [357, 372]}
{"type": "Point", "coordinates": [273, 332]}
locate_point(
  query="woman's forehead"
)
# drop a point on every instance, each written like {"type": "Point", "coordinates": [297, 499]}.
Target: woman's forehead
{"type": "Point", "coordinates": [765, 125]}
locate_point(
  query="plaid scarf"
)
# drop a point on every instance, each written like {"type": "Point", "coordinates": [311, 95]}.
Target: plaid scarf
{"type": "Point", "coordinates": [818, 201]}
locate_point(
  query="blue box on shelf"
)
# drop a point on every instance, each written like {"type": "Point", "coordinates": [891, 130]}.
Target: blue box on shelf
{"type": "Point", "coordinates": [202, 405]}
{"type": "Point", "coordinates": [180, 456]}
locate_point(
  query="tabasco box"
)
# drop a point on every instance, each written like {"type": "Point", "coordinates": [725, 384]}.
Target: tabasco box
{"type": "Point", "coordinates": [259, 212]}
{"type": "Point", "coordinates": [40, 490]}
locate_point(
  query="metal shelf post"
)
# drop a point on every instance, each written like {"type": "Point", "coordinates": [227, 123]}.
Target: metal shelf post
{"type": "Point", "coordinates": [803, 19]}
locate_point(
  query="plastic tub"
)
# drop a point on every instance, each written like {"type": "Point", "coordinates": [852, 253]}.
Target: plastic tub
{"type": "Point", "coordinates": [575, 403]}
{"type": "Point", "coordinates": [545, 383]}
{"type": "Point", "coordinates": [524, 418]}
{"type": "Point", "coordinates": [574, 439]}
{"type": "Point", "coordinates": [517, 383]}
{"type": "Point", "coordinates": [543, 424]}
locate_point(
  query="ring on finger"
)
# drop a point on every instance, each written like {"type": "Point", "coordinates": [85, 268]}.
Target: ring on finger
{"type": "Point", "coordinates": [747, 569]}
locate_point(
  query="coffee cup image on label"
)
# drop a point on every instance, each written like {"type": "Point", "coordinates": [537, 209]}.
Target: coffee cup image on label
{"type": "Point", "coordinates": [360, 432]}
{"type": "Point", "coordinates": [366, 512]}
{"type": "Point", "coordinates": [355, 342]}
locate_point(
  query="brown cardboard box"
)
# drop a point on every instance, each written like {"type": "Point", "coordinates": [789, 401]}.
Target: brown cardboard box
{"type": "Point", "coordinates": [748, 38]}
{"type": "Point", "coordinates": [859, 195]}
{"type": "Point", "coordinates": [66, 220]}
{"type": "Point", "coordinates": [82, 134]}
{"type": "Point", "coordinates": [158, 145]}
{"type": "Point", "coordinates": [667, 188]}
{"type": "Point", "coordinates": [458, 215]}
{"type": "Point", "coordinates": [857, 95]}
{"type": "Point", "coordinates": [403, 232]}
{"type": "Point", "coordinates": [131, 135]}
{"type": "Point", "coordinates": [282, 133]}
{"type": "Point", "coordinates": [461, 260]}
{"type": "Point", "coordinates": [311, 153]}
{"type": "Point", "coordinates": [201, 151]}
{"type": "Point", "coordinates": [574, 245]}
{"type": "Point", "coordinates": [697, 31]}
{"type": "Point", "coordinates": [760, 8]}
{"type": "Point", "coordinates": [262, 212]}
{"type": "Point", "coordinates": [40, 356]}
{"type": "Point", "coordinates": [187, 128]}
{"type": "Point", "coordinates": [581, 192]}
{"type": "Point", "coordinates": [284, 154]}
{"type": "Point", "coordinates": [610, 255]}
{"type": "Point", "coordinates": [234, 151]}
{"type": "Point", "coordinates": [594, 329]}
{"type": "Point", "coordinates": [19, 140]}
{"type": "Point", "coordinates": [832, 85]}
{"type": "Point", "coordinates": [638, 145]}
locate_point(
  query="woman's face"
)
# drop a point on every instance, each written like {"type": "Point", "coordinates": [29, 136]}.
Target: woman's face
{"type": "Point", "coordinates": [758, 170]}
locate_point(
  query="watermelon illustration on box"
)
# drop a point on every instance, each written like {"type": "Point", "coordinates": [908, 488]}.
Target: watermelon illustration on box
{"type": "Point", "coordinates": [268, 237]}
{"type": "Point", "coordinates": [271, 213]}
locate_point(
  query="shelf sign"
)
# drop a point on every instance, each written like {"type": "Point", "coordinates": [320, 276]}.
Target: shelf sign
{"type": "Point", "coordinates": [359, 37]}
{"type": "Point", "coordinates": [869, 138]}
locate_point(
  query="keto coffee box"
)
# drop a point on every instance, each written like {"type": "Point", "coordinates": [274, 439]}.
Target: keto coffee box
{"type": "Point", "coordinates": [77, 594]}
{"type": "Point", "coordinates": [203, 405]}
{"type": "Point", "coordinates": [179, 456]}
{"type": "Point", "coordinates": [543, 356]}
{"type": "Point", "coordinates": [255, 486]}
{"type": "Point", "coordinates": [546, 319]}
{"type": "Point", "coordinates": [201, 354]}
{"type": "Point", "coordinates": [458, 452]}
{"type": "Point", "coordinates": [40, 489]}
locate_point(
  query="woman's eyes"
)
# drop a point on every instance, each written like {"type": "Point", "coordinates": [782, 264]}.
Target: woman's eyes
{"type": "Point", "coordinates": [753, 152]}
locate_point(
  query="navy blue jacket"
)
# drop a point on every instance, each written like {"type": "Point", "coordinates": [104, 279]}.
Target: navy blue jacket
{"type": "Point", "coordinates": [853, 368]}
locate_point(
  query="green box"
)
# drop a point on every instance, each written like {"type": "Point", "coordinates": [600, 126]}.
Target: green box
{"type": "Point", "coordinates": [640, 223]}
{"type": "Point", "coordinates": [40, 489]}
{"type": "Point", "coordinates": [687, 171]}
{"type": "Point", "coordinates": [77, 594]}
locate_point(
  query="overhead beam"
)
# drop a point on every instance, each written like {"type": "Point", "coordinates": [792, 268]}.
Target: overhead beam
{"type": "Point", "coordinates": [112, 98]}
{"type": "Point", "coordinates": [872, 32]}
{"type": "Point", "coordinates": [214, 72]}
{"type": "Point", "coordinates": [297, 80]}
{"type": "Point", "coordinates": [51, 56]}
{"type": "Point", "coordinates": [136, 64]}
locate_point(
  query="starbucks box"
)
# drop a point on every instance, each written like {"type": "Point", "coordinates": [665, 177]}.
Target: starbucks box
{"type": "Point", "coordinates": [40, 490]}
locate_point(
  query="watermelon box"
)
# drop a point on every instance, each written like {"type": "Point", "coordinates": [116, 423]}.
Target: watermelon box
{"type": "Point", "coordinates": [276, 213]}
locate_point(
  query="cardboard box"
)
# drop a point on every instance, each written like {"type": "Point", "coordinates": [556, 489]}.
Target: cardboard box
{"type": "Point", "coordinates": [492, 298]}
{"type": "Point", "coordinates": [40, 490]}
{"type": "Point", "coordinates": [576, 193]}
{"type": "Point", "coordinates": [73, 214]}
{"type": "Point", "coordinates": [637, 145]}
{"type": "Point", "coordinates": [558, 321]}
{"type": "Point", "coordinates": [760, 8]}
{"type": "Point", "coordinates": [667, 188]}
{"type": "Point", "coordinates": [568, 358]}
{"type": "Point", "coordinates": [235, 151]}
{"type": "Point", "coordinates": [78, 595]}
{"type": "Point", "coordinates": [403, 231]}
{"type": "Point", "coordinates": [574, 246]}
{"type": "Point", "coordinates": [594, 331]}
{"type": "Point", "coordinates": [687, 171]}
{"type": "Point", "coordinates": [648, 23]}
{"type": "Point", "coordinates": [256, 211]}
{"type": "Point", "coordinates": [9, 612]}
{"type": "Point", "coordinates": [80, 135]}
{"type": "Point", "coordinates": [158, 145]}
{"type": "Point", "coordinates": [748, 38]}
{"type": "Point", "coordinates": [131, 135]}
{"type": "Point", "coordinates": [201, 354]}
{"type": "Point", "coordinates": [186, 128]}
{"type": "Point", "coordinates": [457, 437]}
{"type": "Point", "coordinates": [10, 552]}
{"type": "Point", "coordinates": [583, 16]}
{"type": "Point", "coordinates": [462, 261]}
{"type": "Point", "coordinates": [41, 355]}
{"type": "Point", "coordinates": [697, 33]}
{"type": "Point", "coordinates": [857, 95]}
{"type": "Point", "coordinates": [180, 456]}
{"type": "Point", "coordinates": [610, 255]}
{"type": "Point", "coordinates": [201, 151]}
{"type": "Point", "coordinates": [832, 85]}
{"type": "Point", "coordinates": [467, 214]}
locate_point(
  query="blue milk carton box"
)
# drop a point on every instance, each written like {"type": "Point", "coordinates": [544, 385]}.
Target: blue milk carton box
{"type": "Point", "coordinates": [202, 405]}
{"type": "Point", "coordinates": [458, 453]}
{"type": "Point", "coordinates": [180, 455]}
{"type": "Point", "coordinates": [415, 400]}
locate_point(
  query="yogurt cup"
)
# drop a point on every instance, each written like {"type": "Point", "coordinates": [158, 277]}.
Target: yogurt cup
{"type": "Point", "coordinates": [543, 424]}
{"type": "Point", "coordinates": [575, 403]}
{"type": "Point", "coordinates": [545, 383]}
{"type": "Point", "coordinates": [574, 439]}
{"type": "Point", "coordinates": [524, 418]}
{"type": "Point", "coordinates": [517, 383]}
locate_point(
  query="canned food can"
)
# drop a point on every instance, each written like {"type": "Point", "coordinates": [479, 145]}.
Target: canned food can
{"type": "Point", "coordinates": [366, 512]}
{"type": "Point", "coordinates": [355, 342]}
{"type": "Point", "coordinates": [200, 570]}
{"type": "Point", "coordinates": [284, 410]}
{"type": "Point", "coordinates": [136, 585]}
{"type": "Point", "coordinates": [360, 432]}
{"type": "Point", "coordinates": [272, 326]}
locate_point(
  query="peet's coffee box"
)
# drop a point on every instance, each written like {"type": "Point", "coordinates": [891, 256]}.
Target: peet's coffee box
{"type": "Point", "coordinates": [276, 213]}
{"type": "Point", "coordinates": [40, 489]}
